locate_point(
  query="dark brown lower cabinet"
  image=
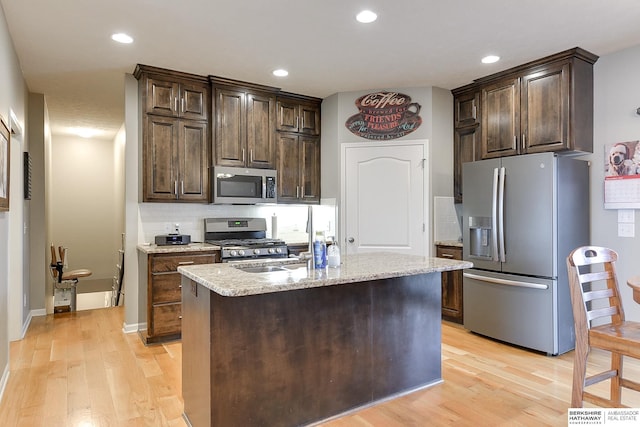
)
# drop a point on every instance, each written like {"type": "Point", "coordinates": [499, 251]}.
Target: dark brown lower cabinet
{"type": "Point", "coordinates": [164, 298]}
{"type": "Point", "coordinates": [301, 356]}
{"type": "Point", "coordinates": [451, 285]}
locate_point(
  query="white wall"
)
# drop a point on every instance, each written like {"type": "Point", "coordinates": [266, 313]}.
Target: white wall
{"type": "Point", "coordinates": [617, 87]}
{"type": "Point", "coordinates": [12, 98]}
{"type": "Point", "coordinates": [17, 300]}
{"type": "Point", "coordinates": [118, 184]}
{"type": "Point", "coordinates": [39, 142]}
{"type": "Point", "coordinates": [85, 214]}
{"type": "Point", "coordinates": [437, 127]}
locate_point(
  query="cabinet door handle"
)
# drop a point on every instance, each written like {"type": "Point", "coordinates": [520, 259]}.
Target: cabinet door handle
{"type": "Point", "coordinates": [180, 317]}
{"type": "Point", "coordinates": [175, 187]}
{"type": "Point", "coordinates": [473, 112]}
{"type": "Point", "coordinates": [243, 155]}
{"type": "Point", "coordinates": [175, 104]}
{"type": "Point", "coordinates": [297, 191]}
{"type": "Point", "coordinates": [302, 191]}
{"type": "Point", "coordinates": [523, 141]}
{"type": "Point", "coordinates": [182, 105]}
{"type": "Point", "coordinates": [182, 187]}
{"type": "Point", "coordinates": [251, 156]}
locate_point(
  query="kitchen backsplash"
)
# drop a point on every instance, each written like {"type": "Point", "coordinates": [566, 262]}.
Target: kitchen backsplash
{"type": "Point", "coordinates": [446, 223]}
{"type": "Point", "coordinates": [161, 218]}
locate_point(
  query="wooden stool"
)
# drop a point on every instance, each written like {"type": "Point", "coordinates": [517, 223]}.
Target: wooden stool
{"type": "Point", "coordinates": [634, 283]}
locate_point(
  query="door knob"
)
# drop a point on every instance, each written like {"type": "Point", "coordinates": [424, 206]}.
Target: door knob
{"type": "Point", "coordinates": [351, 240]}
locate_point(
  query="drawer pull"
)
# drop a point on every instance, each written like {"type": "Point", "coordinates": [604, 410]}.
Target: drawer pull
{"type": "Point", "coordinates": [185, 262]}
{"type": "Point", "coordinates": [180, 317]}
{"type": "Point", "coordinates": [446, 256]}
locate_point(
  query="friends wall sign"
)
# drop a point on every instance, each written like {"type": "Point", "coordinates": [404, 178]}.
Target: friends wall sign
{"type": "Point", "coordinates": [384, 115]}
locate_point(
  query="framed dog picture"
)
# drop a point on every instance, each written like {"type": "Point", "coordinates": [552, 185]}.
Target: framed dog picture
{"type": "Point", "coordinates": [622, 175]}
{"type": "Point", "coordinates": [5, 157]}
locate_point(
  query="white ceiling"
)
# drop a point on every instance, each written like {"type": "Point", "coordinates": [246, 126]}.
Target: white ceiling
{"type": "Point", "coordinates": [66, 53]}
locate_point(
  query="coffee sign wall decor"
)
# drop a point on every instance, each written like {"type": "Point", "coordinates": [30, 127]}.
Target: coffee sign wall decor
{"type": "Point", "coordinates": [384, 115]}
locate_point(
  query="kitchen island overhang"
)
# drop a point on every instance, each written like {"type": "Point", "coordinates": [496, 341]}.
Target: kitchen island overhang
{"type": "Point", "coordinates": [296, 348]}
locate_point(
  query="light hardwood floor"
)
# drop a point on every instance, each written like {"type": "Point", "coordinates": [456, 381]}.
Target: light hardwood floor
{"type": "Point", "coordinates": [79, 369]}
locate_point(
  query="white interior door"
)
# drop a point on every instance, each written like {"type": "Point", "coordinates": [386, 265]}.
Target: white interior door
{"type": "Point", "coordinates": [385, 197]}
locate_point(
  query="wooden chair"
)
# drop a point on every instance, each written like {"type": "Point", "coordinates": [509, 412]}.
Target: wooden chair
{"type": "Point", "coordinates": [65, 279]}
{"type": "Point", "coordinates": [595, 295]}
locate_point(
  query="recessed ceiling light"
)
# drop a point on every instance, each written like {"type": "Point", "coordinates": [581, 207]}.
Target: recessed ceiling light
{"type": "Point", "coordinates": [122, 38]}
{"type": "Point", "coordinates": [366, 17]}
{"type": "Point", "coordinates": [490, 59]}
{"type": "Point", "coordinates": [280, 73]}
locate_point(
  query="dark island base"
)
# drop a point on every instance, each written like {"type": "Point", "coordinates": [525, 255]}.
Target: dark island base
{"type": "Point", "coordinates": [299, 357]}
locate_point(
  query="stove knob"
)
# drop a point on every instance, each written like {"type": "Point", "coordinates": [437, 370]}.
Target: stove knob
{"type": "Point", "coordinates": [256, 251]}
{"type": "Point", "coordinates": [271, 251]}
{"type": "Point", "coordinates": [279, 250]}
{"type": "Point", "coordinates": [233, 253]}
{"type": "Point", "coordinates": [241, 252]}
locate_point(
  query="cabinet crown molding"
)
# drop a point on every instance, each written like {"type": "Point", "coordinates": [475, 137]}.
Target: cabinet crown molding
{"type": "Point", "coordinates": [575, 53]}
{"type": "Point", "coordinates": [223, 81]}
{"type": "Point", "coordinates": [142, 69]}
{"type": "Point", "coordinates": [299, 97]}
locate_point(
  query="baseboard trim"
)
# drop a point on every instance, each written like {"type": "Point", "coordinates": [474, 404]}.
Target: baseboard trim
{"type": "Point", "coordinates": [31, 315]}
{"type": "Point", "coordinates": [133, 327]}
{"type": "Point", "coordinates": [4, 380]}
{"type": "Point", "coordinates": [38, 312]}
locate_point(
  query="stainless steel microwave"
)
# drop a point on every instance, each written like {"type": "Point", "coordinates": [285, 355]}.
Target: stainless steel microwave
{"type": "Point", "coordinates": [236, 185]}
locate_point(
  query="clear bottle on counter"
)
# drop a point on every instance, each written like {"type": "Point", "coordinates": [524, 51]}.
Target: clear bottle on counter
{"type": "Point", "coordinates": [319, 250]}
{"type": "Point", "coordinates": [333, 255]}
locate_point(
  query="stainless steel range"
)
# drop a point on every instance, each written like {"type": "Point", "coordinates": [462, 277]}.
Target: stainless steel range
{"type": "Point", "coordinates": [243, 238]}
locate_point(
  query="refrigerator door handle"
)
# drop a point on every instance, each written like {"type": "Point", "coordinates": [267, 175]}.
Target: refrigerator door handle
{"type": "Point", "coordinates": [494, 217]}
{"type": "Point", "coordinates": [497, 281]}
{"type": "Point", "coordinates": [501, 179]}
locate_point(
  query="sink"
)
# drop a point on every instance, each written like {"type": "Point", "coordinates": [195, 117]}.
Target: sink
{"type": "Point", "coordinates": [262, 269]}
{"type": "Point", "coordinates": [275, 268]}
{"type": "Point", "coordinates": [294, 267]}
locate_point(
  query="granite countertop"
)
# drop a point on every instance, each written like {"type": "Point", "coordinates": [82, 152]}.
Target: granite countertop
{"type": "Point", "coordinates": [227, 280]}
{"type": "Point", "coordinates": [152, 248]}
{"type": "Point", "coordinates": [455, 243]}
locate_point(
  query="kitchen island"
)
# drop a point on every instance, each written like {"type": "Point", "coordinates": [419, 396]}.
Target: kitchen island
{"type": "Point", "coordinates": [296, 346]}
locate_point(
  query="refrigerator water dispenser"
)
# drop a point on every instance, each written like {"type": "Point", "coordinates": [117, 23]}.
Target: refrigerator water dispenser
{"type": "Point", "coordinates": [480, 237]}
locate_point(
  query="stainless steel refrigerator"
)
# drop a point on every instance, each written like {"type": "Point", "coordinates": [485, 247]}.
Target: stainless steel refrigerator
{"type": "Point", "coordinates": [522, 216]}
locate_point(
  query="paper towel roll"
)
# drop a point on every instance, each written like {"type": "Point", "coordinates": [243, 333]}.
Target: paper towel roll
{"type": "Point", "coordinates": [274, 227]}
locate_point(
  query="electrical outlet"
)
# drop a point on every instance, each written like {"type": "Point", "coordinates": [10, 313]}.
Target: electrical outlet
{"type": "Point", "coordinates": [626, 216]}
{"type": "Point", "coordinates": [626, 230]}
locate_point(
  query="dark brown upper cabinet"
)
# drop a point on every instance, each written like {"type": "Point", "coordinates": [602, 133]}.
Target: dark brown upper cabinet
{"type": "Point", "coordinates": [175, 134]}
{"type": "Point", "coordinates": [543, 105]}
{"type": "Point", "coordinates": [245, 117]}
{"type": "Point", "coordinates": [299, 116]}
